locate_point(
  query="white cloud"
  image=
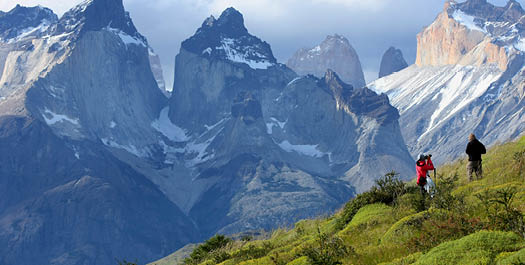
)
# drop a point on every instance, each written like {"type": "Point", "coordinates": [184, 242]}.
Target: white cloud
{"type": "Point", "coordinates": [58, 6]}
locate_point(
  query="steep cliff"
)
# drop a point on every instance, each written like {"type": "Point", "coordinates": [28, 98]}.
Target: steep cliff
{"type": "Point", "coordinates": [469, 77]}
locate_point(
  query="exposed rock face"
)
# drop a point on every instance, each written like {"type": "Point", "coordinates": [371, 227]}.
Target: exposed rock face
{"type": "Point", "coordinates": [71, 202]}
{"type": "Point", "coordinates": [265, 147]}
{"type": "Point", "coordinates": [469, 77]}
{"type": "Point", "coordinates": [335, 53]}
{"type": "Point", "coordinates": [156, 69]}
{"type": "Point", "coordinates": [391, 62]}
{"type": "Point", "coordinates": [472, 33]}
{"type": "Point", "coordinates": [73, 93]}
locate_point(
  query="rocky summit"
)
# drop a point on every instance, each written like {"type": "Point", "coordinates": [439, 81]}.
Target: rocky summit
{"type": "Point", "coordinates": [391, 62]}
{"type": "Point", "coordinates": [335, 53]}
{"type": "Point", "coordinates": [468, 78]}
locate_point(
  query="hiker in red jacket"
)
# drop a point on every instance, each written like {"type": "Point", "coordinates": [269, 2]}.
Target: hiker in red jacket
{"type": "Point", "coordinates": [423, 165]}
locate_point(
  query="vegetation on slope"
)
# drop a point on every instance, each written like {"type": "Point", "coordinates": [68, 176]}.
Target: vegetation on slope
{"type": "Point", "coordinates": [479, 222]}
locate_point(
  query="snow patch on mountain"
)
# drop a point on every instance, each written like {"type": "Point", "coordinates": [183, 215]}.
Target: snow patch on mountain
{"type": "Point", "coordinates": [52, 118]}
{"type": "Point", "coordinates": [467, 20]}
{"type": "Point", "coordinates": [127, 39]}
{"type": "Point", "coordinates": [303, 149]}
{"type": "Point", "coordinates": [233, 53]}
{"type": "Point", "coordinates": [274, 122]}
{"type": "Point", "coordinates": [164, 125]}
{"type": "Point", "coordinates": [520, 44]}
{"type": "Point", "coordinates": [130, 148]}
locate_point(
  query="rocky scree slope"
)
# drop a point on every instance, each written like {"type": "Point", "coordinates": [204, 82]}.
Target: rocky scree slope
{"type": "Point", "coordinates": [469, 77]}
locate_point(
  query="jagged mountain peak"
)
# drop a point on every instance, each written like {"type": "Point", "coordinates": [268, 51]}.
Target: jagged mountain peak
{"type": "Point", "coordinates": [25, 20]}
{"type": "Point", "coordinates": [94, 15]}
{"type": "Point", "coordinates": [226, 38]}
{"type": "Point", "coordinates": [392, 61]}
{"type": "Point", "coordinates": [232, 20]}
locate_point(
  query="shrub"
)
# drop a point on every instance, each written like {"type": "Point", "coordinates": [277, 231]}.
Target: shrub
{"type": "Point", "coordinates": [387, 190]}
{"type": "Point", "coordinates": [210, 249]}
{"type": "Point", "coordinates": [330, 250]}
{"type": "Point", "coordinates": [479, 248]}
{"type": "Point", "coordinates": [252, 252]}
{"type": "Point", "coordinates": [512, 258]}
{"type": "Point", "coordinates": [300, 261]}
{"type": "Point", "coordinates": [370, 212]}
{"type": "Point", "coordinates": [498, 205]}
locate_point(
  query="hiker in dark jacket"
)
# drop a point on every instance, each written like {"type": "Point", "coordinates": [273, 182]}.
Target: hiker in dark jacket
{"type": "Point", "coordinates": [423, 165]}
{"type": "Point", "coordinates": [474, 151]}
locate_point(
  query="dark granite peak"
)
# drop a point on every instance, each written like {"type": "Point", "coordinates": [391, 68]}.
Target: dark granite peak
{"type": "Point", "coordinates": [19, 18]}
{"type": "Point", "coordinates": [227, 37]}
{"type": "Point", "coordinates": [392, 61]}
{"type": "Point", "coordinates": [95, 15]}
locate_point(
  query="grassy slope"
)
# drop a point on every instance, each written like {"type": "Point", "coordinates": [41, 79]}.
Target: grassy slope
{"type": "Point", "coordinates": [458, 231]}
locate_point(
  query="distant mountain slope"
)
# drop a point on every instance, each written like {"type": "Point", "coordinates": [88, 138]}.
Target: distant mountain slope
{"type": "Point", "coordinates": [469, 77]}
{"type": "Point", "coordinates": [334, 53]}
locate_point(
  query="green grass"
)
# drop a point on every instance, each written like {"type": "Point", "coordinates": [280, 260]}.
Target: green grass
{"type": "Point", "coordinates": [479, 248]}
{"type": "Point", "coordinates": [379, 227]}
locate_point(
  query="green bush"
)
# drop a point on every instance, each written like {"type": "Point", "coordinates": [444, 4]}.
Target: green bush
{"type": "Point", "coordinates": [252, 252]}
{"type": "Point", "coordinates": [410, 259]}
{"type": "Point", "coordinates": [300, 261]}
{"type": "Point", "coordinates": [479, 248]}
{"type": "Point", "coordinates": [210, 249]}
{"type": "Point", "coordinates": [502, 215]}
{"type": "Point", "coordinates": [370, 212]}
{"type": "Point", "coordinates": [387, 190]}
{"type": "Point", "coordinates": [512, 258]}
{"type": "Point", "coordinates": [329, 250]}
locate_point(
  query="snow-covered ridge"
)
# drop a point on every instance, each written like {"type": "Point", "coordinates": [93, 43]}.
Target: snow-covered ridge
{"type": "Point", "coordinates": [467, 20]}
{"type": "Point", "coordinates": [126, 38]}
{"type": "Point", "coordinates": [504, 33]}
{"type": "Point", "coordinates": [303, 149]}
{"type": "Point", "coordinates": [235, 52]}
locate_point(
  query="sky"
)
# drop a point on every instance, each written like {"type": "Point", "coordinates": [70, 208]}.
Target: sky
{"type": "Point", "coordinates": [371, 26]}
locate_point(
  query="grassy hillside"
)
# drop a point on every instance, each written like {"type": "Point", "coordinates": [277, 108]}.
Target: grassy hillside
{"type": "Point", "coordinates": [479, 222]}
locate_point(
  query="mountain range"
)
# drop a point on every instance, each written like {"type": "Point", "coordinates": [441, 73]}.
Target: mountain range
{"type": "Point", "coordinates": [95, 154]}
{"type": "Point", "coordinates": [98, 162]}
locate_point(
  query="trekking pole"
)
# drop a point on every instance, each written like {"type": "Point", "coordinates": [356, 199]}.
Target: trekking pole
{"type": "Point", "coordinates": [435, 176]}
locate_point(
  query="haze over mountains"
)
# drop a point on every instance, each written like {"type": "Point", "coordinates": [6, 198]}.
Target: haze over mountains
{"type": "Point", "coordinates": [94, 154]}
